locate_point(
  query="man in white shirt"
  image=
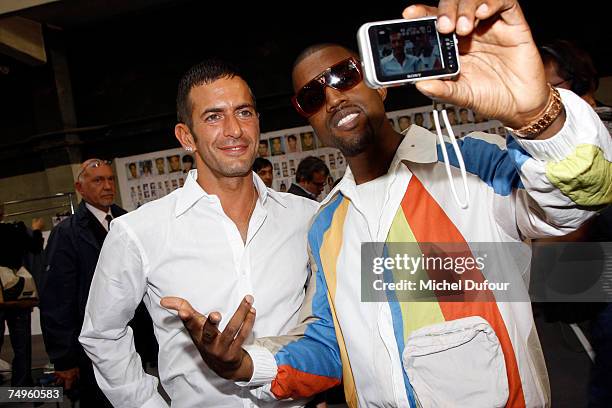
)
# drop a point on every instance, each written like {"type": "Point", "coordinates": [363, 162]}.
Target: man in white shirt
{"type": "Point", "coordinates": [222, 236]}
{"type": "Point", "coordinates": [398, 62]}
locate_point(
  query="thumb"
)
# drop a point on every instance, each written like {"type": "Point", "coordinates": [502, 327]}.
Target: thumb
{"type": "Point", "coordinates": [183, 307]}
{"type": "Point", "coordinates": [436, 89]}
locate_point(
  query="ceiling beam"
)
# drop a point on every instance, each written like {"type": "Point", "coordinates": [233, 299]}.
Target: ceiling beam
{"type": "Point", "coordinates": [9, 6]}
{"type": "Point", "coordinates": [23, 40]}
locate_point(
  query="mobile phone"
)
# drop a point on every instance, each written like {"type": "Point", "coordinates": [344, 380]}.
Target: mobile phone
{"type": "Point", "coordinates": [396, 52]}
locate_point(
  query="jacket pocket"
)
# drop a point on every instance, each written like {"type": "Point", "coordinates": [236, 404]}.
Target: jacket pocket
{"type": "Point", "coordinates": [458, 363]}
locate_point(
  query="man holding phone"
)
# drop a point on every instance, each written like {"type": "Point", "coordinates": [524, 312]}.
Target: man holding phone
{"type": "Point", "coordinates": [471, 353]}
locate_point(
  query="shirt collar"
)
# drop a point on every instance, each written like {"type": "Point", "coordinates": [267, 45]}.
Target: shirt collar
{"type": "Point", "coordinates": [265, 192]}
{"type": "Point", "coordinates": [99, 214]}
{"type": "Point", "coordinates": [417, 146]}
{"type": "Point", "coordinates": [192, 192]}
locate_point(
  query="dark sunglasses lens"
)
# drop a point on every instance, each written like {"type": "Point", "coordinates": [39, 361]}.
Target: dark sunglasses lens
{"type": "Point", "coordinates": [311, 97]}
{"type": "Point", "coordinates": [343, 76]}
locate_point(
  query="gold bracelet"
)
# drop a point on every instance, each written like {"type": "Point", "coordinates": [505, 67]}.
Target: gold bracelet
{"type": "Point", "coordinates": [552, 112]}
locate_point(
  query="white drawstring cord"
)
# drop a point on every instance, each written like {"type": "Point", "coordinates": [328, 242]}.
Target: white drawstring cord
{"type": "Point", "coordinates": [445, 155]}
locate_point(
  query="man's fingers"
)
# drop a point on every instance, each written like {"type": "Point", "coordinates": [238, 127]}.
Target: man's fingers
{"type": "Point", "coordinates": [419, 11]}
{"type": "Point", "coordinates": [230, 331]}
{"type": "Point", "coordinates": [183, 307]}
{"type": "Point", "coordinates": [245, 330]}
{"type": "Point", "coordinates": [453, 92]}
{"type": "Point", "coordinates": [466, 15]}
{"type": "Point", "coordinates": [475, 10]}
{"type": "Point", "coordinates": [461, 16]}
{"type": "Point", "coordinates": [197, 324]}
{"type": "Point", "coordinates": [434, 89]}
{"type": "Point", "coordinates": [210, 327]}
{"type": "Point", "coordinates": [447, 16]}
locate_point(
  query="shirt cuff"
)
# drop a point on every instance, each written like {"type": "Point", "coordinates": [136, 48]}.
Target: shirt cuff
{"type": "Point", "coordinates": [564, 142]}
{"type": "Point", "coordinates": [264, 366]}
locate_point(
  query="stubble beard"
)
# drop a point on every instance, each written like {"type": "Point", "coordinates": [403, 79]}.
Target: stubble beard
{"type": "Point", "coordinates": [356, 144]}
{"type": "Point", "coordinates": [228, 168]}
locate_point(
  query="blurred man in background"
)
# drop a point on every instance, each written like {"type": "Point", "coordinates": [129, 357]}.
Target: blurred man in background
{"type": "Point", "coordinates": [311, 177]}
{"type": "Point", "coordinates": [263, 168]}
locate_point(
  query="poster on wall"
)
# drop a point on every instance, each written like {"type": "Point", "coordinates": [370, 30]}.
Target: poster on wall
{"type": "Point", "coordinates": [286, 148]}
{"type": "Point", "coordinates": [147, 177]}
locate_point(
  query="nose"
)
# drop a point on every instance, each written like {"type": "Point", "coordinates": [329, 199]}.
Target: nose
{"type": "Point", "coordinates": [109, 184]}
{"type": "Point", "coordinates": [333, 98]}
{"type": "Point", "coordinates": [232, 127]}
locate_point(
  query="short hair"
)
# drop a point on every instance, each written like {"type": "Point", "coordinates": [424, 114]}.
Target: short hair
{"type": "Point", "coordinates": [398, 33]}
{"type": "Point", "coordinates": [308, 167]}
{"type": "Point", "coordinates": [260, 163]}
{"type": "Point", "coordinates": [574, 65]}
{"type": "Point", "coordinates": [292, 137]}
{"type": "Point", "coordinates": [187, 158]}
{"type": "Point", "coordinates": [205, 72]}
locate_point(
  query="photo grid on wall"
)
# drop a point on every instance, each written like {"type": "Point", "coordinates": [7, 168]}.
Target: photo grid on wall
{"type": "Point", "coordinates": [147, 177]}
{"type": "Point", "coordinates": [287, 148]}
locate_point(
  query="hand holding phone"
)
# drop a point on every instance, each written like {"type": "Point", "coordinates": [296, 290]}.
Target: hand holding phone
{"type": "Point", "coordinates": [502, 76]}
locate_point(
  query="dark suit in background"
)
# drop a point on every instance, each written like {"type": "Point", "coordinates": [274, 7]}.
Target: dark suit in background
{"type": "Point", "coordinates": [299, 191]}
{"type": "Point", "coordinates": [71, 257]}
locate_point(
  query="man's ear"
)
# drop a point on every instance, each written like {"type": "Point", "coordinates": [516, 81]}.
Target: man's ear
{"type": "Point", "coordinates": [78, 187]}
{"type": "Point", "coordinates": [184, 136]}
{"type": "Point", "coordinates": [382, 92]}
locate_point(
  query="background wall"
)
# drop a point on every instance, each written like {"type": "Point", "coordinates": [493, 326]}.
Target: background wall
{"type": "Point", "coordinates": [107, 88]}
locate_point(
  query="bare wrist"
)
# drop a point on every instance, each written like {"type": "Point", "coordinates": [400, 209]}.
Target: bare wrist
{"type": "Point", "coordinates": [245, 371]}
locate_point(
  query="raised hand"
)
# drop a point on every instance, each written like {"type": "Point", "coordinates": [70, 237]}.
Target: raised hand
{"type": "Point", "coordinates": [67, 378]}
{"type": "Point", "coordinates": [502, 75]}
{"type": "Point", "coordinates": [221, 351]}
{"type": "Point", "coordinates": [38, 224]}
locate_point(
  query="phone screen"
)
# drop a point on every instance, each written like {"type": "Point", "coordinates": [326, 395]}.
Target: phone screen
{"type": "Point", "coordinates": [410, 50]}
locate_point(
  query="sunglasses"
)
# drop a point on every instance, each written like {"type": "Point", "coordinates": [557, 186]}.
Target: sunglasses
{"type": "Point", "coordinates": [341, 76]}
{"type": "Point", "coordinates": [93, 164]}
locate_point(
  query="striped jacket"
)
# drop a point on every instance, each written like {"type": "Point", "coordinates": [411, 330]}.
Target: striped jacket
{"type": "Point", "coordinates": [438, 353]}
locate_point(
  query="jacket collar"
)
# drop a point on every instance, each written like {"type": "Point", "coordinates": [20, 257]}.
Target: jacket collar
{"type": "Point", "coordinates": [417, 146]}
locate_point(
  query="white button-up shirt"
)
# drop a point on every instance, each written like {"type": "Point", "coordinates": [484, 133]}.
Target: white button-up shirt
{"type": "Point", "coordinates": [391, 65]}
{"type": "Point", "coordinates": [185, 245]}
